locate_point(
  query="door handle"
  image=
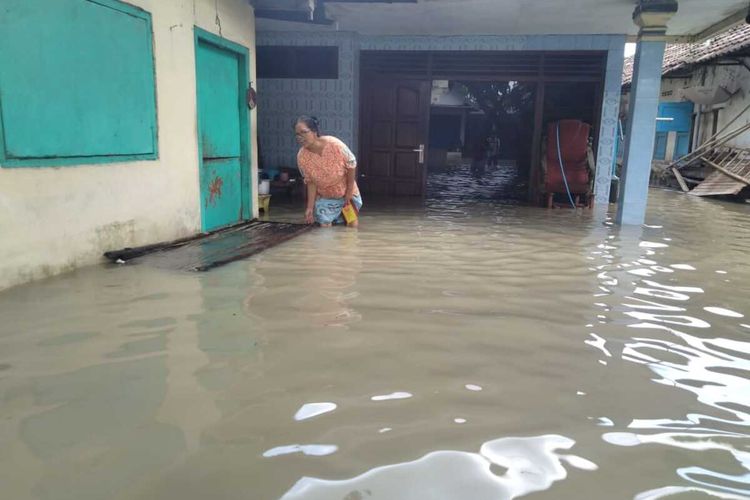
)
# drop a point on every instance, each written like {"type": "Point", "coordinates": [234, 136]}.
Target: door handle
{"type": "Point", "coordinates": [421, 153]}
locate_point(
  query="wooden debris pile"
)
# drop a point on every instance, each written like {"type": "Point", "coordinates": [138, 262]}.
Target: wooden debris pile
{"type": "Point", "coordinates": [731, 172]}
{"type": "Point", "coordinates": [729, 166]}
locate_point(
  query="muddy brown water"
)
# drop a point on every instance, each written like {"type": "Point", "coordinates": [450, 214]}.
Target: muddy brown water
{"type": "Point", "coordinates": [457, 349]}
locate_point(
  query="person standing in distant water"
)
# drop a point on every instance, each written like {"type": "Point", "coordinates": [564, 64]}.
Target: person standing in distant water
{"type": "Point", "coordinates": [328, 168]}
{"type": "Point", "coordinates": [493, 149]}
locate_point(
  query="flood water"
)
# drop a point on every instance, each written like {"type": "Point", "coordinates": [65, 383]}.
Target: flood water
{"type": "Point", "coordinates": [456, 349]}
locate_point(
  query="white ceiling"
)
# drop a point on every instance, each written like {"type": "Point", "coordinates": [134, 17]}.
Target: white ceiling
{"type": "Point", "coordinates": [512, 17]}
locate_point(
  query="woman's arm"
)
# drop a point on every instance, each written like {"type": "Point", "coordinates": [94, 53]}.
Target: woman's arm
{"type": "Point", "coordinates": [312, 192]}
{"type": "Point", "coordinates": [350, 176]}
{"type": "Point", "coordinates": [350, 167]}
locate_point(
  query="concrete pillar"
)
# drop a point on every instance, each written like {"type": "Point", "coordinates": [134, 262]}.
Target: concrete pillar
{"type": "Point", "coordinates": [641, 131]}
{"type": "Point", "coordinates": [645, 91]}
{"type": "Point", "coordinates": [607, 142]}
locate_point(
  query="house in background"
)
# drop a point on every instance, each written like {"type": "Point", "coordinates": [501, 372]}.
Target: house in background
{"type": "Point", "coordinates": [367, 68]}
{"type": "Point", "coordinates": [704, 86]}
{"type": "Point", "coordinates": [125, 123]}
{"type": "Point", "coordinates": [122, 124]}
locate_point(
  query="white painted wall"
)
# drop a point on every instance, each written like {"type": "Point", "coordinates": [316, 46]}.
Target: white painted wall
{"type": "Point", "coordinates": [55, 219]}
{"type": "Point", "coordinates": [736, 79]}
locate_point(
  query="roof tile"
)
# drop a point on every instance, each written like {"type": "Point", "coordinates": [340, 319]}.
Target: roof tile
{"type": "Point", "coordinates": [681, 55]}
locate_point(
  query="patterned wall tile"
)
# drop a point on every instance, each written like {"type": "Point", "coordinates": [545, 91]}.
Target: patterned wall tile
{"type": "Point", "coordinates": [336, 102]}
{"type": "Point", "coordinates": [487, 42]}
{"type": "Point", "coordinates": [444, 42]}
{"type": "Point", "coordinates": [609, 118]}
{"type": "Point", "coordinates": [281, 101]}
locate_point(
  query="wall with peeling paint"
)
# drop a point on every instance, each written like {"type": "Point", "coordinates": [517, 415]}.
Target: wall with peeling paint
{"type": "Point", "coordinates": [735, 79]}
{"type": "Point", "coordinates": [58, 218]}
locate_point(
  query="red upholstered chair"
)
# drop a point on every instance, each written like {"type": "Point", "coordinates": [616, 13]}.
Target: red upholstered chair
{"type": "Point", "coordinates": [574, 149]}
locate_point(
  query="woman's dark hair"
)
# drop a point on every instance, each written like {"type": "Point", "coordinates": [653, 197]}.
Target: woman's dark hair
{"type": "Point", "coordinates": [310, 122]}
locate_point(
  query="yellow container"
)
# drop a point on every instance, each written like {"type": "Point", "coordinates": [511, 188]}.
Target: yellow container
{"type": "Point", "coordinates": [263, 201]}
{"type": "Point", "coordinates": [350, 213]}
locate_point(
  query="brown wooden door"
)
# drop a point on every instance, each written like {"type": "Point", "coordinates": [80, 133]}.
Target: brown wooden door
{"type": "Point", "coordinates": [395, 126]}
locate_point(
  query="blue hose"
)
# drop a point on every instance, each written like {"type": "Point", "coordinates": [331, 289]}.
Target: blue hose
{"type": "Point", "coordinates": [562, 168]}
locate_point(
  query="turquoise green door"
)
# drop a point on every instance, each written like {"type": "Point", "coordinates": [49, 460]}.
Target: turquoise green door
{"type": "Point", "coordinates": [220, 112]}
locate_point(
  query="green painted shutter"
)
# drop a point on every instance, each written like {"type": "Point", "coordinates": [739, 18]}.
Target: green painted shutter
{"type": "Point", "coordinates": [76, 82]}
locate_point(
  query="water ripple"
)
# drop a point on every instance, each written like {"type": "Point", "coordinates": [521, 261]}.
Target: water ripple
{"type": "Point", "coordinates": [502, 469]}
{"type": "Point", "coordinates": [684, 352]}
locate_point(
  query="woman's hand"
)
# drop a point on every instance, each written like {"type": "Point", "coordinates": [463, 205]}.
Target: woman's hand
{"type": "Point", "coordinates": [312, 194]}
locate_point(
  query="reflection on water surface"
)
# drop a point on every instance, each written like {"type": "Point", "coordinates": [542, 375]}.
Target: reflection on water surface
{"type": "Point", "coordinates": [458, 349]}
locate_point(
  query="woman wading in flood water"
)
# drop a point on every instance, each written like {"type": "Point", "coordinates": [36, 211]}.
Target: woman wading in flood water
{"type": "Point", "coordinates": [328, 167]}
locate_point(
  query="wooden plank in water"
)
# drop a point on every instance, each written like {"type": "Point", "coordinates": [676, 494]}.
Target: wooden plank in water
{"type": "Point", "coordinates": [717, 183]}
{"type": "Point", "coordinates": [723, 181]}
{"type": "Point", "coordinates": [680, 180]}
{"type": "Point", "coordinates": [210, 250]}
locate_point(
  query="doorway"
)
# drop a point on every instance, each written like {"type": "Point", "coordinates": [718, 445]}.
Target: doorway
{"type": "Point", "coordinates": [497, 106]}
{"type": "Point", "coordinates": [394, 137]}
{"type": "Point", "coordinates": [480, 139]}
{"type": "Point", "coordinates": [223, 123]}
